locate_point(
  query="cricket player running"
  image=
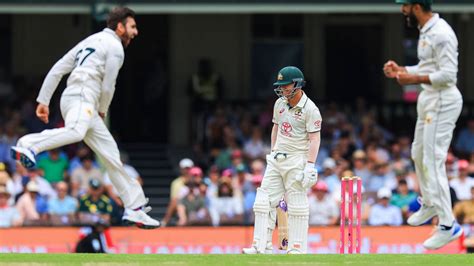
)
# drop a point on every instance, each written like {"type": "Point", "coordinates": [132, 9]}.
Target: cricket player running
{"type": "Point", "coordinates": [94, 64]}
{"type": "Point", "coordinates": [295, 141]}
{"type": "Point", "coordinates": [439, 106]}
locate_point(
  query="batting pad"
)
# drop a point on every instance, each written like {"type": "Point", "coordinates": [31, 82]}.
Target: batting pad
{"type": "Point", "coordinates": [272, 218]}
{"type": "Point", "coordinates": [298, 218]}
{"type": "Point", "coordinates": [261, 208]}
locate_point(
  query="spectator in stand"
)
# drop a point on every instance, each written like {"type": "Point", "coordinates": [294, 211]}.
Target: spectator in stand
{"type": "Point", "coordinates": [62, 209]}
{"type": "Point", "coordinates": [10, 136]}
{"type": "Point", "coordinates": [33, 207]}
{"type": "Point", "coordinates": [329, 175]}
{"type": "Point", "coordinates": [463, 183]}
{"type": "Point", "coordinates": [192, 207]}
{"type": "Point", "coordinates": [401, 173]}
{"type": "Point", "coordinates": [81, 152]}
{"type": "Point", "coordinates": [345, 144]}
{"type": "Point", "coordinates": [241, 182]}
{"type": "Point", "coordinates": [54, 166]}
{"type": "Point", "coordinates": [9, 216]}
{"type": "Point", "coordinates": [359, 162]}
{"type": "Point", "coordinates": [465, 139]}
{"type": "Point", "coordinates": [452, 169]}
{"type": "Point", "coordinates": [7, 182]}
{"type": "Point", "coordinates": [379, 177]}
{"type": "Point", "coordinates": [176, 187]}
{"type": "Point", "coordinates": [397, 158]}
{"type": "Point", "coordinates": [464, 210]}
{"type": "Point", "coordinates": [81, 176]}
{"type": "Point", "coordinates": [205, 86]}
{"type": "Point", "coordinates": [212, 182]}
{"type": "Point", "coordinates": [255, 148]}
{"type": "Point", "coordinates": [383, 213]}
{"type": "Point", "coordinates": [5, 154]}
{"type": "Point", "coordinates": [226, 209]}
{"type": "Point", "coordinates": [323, 210]}
{"type": "Point", "coordinates": [34, 174]}
{"type": "Point", "coordinates": [94, 205]}
{"type": "Point", "coordinates": [403, 197]}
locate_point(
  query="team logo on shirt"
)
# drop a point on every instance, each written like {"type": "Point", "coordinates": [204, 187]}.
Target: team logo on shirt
{"type": "Point", "coordinates": [298, 114]}
{"type": "Point", "coordinates": [428, 119]}
{"type": "Point", "coordinates": [317, 123]}
{"type": "Point", "coordinates": [285, 129]}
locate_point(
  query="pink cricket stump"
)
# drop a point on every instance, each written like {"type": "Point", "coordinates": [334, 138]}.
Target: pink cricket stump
{"type": "Point", "coordinates": [350, 219]}
{"type": "Point", "coordinates": [343, 215]}
{"type": "Point", "coordinates": [359, 210]}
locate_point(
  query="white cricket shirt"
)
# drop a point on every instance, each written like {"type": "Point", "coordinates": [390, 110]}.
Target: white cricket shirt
{"type": "Point", "coordinates": [94, 64]}
{"type": "Point", "coordinates": [438, 55]}
{"type": "Point", "coordinates": [294, 123]}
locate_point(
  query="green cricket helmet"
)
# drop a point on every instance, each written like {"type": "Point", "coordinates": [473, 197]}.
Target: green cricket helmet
{"type": "Point", "coordinates": [289, 75]}
{"type": "Point", "coordinates": [411, 2]}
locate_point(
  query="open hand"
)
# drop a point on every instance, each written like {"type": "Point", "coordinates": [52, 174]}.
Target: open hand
{"type": "Point", "coordinates": [42, 112]}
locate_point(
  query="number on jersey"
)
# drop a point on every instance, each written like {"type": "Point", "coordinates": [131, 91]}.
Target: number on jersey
{"type": "Point", "coordinates": [81, 57]}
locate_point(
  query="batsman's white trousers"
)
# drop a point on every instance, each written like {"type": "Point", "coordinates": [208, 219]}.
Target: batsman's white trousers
{"type": "Point", "coordinates": [82, 122]}
{"type": "Point", "coordinates": [438, 112]}
{"type": "Point", "coordinates": [280, 178]}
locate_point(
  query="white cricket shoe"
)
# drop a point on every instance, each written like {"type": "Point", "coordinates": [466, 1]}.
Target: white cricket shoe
{"type": "Point", "coordinates": [442, 236]}
{"type": "Point", "coordinates": [140, 219]}
{"type": "Point", "coordinates": [294, 252]}
{"type": "Point", "coordinates": [423, 215]}
{"type": "Point", "coordinates": [253, 249]}
{"type": "Point", "coordinates": [25, 156]}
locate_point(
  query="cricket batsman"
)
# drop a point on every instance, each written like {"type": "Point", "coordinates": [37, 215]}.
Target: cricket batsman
{"type": "Point", "coordinates": [93, 65]}
{"type": "Point", "coordinates": [439, 106]}
{"type": "Point", "coordinates": [295, 141]}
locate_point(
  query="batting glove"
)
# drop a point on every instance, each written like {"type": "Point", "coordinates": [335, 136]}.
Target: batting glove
{"type": "Point", "coordinates": [310, 176]}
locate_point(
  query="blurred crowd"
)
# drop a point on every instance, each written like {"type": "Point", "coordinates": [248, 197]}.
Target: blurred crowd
{"type": "Point", "coordinates": [217, 184]}
{"type": "Point", "coordinates": [60, 190]}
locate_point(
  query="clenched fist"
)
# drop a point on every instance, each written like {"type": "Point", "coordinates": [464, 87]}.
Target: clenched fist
{"type": "Point", "coordinates": [42, 112]}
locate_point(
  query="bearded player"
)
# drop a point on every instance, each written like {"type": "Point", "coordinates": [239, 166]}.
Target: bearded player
{"type": "Point", "coordinates": [439, 106]}
{"type": "Point", "coordinates": [93, 65]}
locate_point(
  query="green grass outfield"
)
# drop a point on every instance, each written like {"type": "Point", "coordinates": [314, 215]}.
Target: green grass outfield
{"type": "Point", "coordinates": [228, 260]}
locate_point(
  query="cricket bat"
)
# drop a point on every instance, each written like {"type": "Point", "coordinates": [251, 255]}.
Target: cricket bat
{"type": "Point", "coordinates": [282, 221]}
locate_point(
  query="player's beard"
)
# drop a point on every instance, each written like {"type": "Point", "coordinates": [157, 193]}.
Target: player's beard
{"type": "Point", "coordinates": [126, 39]}
{"type": "Point", "coordinates": [411, 20]}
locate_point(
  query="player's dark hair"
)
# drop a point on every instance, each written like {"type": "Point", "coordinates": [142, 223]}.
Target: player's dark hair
{"type": "Point", "coordinates": [425, 7]}
{"type": "Point", "coordinates": [119, 15]}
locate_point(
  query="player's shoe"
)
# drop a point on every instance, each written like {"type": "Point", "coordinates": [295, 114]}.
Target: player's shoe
{"type": "Point", "coordinates": [294, 252]}
{"type": "Point", "coordinates": [140, 219]}
{"type": "Point", "coordinates": [25, 156]}
{"type": "Point", "coordinates": [423, 215]}
{"type": "Point", "coordinates": [253, 250]}
{"type": "Point", "coordinates": [443, 236]}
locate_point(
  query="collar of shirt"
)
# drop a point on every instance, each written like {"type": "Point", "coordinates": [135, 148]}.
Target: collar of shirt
{"type": "Point", "coordinates": [113, 34]}
{"type": "Point", "coordinates": [301, 102]}
{"type": "Point", "coordinates": [430, 23]}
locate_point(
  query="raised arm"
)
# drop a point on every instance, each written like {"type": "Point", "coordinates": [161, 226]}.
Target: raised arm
{"type": "Point", "coordinates": [64, 66]}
